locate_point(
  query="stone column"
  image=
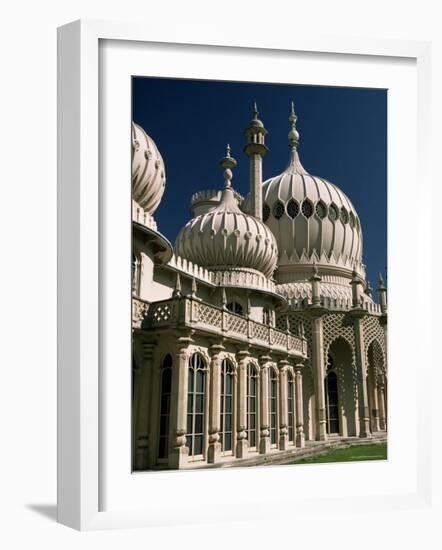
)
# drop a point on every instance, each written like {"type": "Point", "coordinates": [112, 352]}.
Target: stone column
{"type": "Point", "coordinates": [214, 450]}
{"type": "Point", "coordinates": [256, 185]}
{"type": "Point", "coordinates": [241, 416]}
{"type": "Point", "coordinates": [283, 412]}
{"type": "Point", "coordinates": [178, 452]}
{"type": "Point", "coordinates": [382, 410]}
{"type": "Point", "coordinates": [361, 367]}
{"type": "Point", "coordinates": [142, 402]}
{"type": "Point", "coordinates": [374, 413]}
{"type": "Point", "coordinates": [299, 411]}
{"type": "Point", "coordinates": [264, 439]}
{"type": "Point", "coordinates": [317, 361]}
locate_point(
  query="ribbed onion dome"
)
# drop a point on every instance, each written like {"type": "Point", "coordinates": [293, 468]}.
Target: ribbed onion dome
{"type": "Point", "coordinates": [148, 171]}
{"type": "Point", "coordinates": [311, 218]}
{"type": "Point", "coordinates": [225, 238]}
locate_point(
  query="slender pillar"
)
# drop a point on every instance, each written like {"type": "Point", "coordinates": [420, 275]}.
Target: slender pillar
{"type": "Point", "coordinates": [283, 412]}
{"type": "Point", "coordinates": [178, 452]}
{"type": "Point", "coordinates": [255, 149]}
{"type": "Point", "coordinates": [374, 412]}
{"type": "Point", "coordinates": [214, 451]}
{"type": "Point", "coordinates": [382, 294]}
{"type": "Point", "coordinates": [241, 424]}
{"type": "Point", "coordinates": [142, 385]}
{"type": "Point", "coordinates": [382, 410]}
{"type": "Point", "coordinates": [256, 185]}
{"type": "Point", "coordinates": [318, 375]}
{"type": "Point", "coordinates": [299, 410]}
{"type": "Point", "coordinates": [364, 413]}
{"type": "Point", "coordinates": [264, 440]}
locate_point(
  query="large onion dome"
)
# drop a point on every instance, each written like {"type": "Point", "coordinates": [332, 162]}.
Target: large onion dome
{"type": "Point", "coordinates": [225, 238]}
{"type": "Point", "coordinates": [312, 219]}
{"type": "Point", "coordinates": [148, 172]}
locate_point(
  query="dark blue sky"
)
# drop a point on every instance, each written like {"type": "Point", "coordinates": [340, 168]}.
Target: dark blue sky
{"type": "Point", "coordinates": [343, 138]}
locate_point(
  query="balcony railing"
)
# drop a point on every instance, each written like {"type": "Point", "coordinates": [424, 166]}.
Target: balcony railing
{"type": "Point", "coordinates": [193, 313]}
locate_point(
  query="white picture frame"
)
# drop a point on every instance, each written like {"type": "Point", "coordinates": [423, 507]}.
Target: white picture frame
{"type": "Point", "coordinates": [80, 395]}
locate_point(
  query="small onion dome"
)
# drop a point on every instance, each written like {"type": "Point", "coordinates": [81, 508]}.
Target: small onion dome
{"type": "Point", "coordinates": [148, 172]}
{"type": "Point", "coordinates": [311, 218]}
{"type": "Point", "coordinates": [225, 238]}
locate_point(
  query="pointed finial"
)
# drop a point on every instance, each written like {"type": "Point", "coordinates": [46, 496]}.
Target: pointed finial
{"type": "Point", "coordinates": [177, 289]}
{"type": "Point", "coordinates": [255, 111]}
{"type": "Point", "coordinates": [224, 298]}
{"type": "Point", "coordinates": [381, 285]}
{"type": "Point", "coordinates": [315, 276]}
{"type": "Point", "coordinates": [293, 133]}
{"type": "Point", "coordinates": [368, 289]}
{"type": "Point", "coordinates": [228, 162]}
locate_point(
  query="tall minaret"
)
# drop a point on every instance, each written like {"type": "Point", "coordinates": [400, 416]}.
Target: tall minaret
{"type": "Point", "coordinates": [255, 149]}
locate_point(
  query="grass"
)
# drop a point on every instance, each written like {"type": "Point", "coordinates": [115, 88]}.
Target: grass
{"type": "Point", "coordinates": [374, 451]}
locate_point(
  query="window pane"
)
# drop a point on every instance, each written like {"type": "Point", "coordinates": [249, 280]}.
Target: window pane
{"type": "Point", "coordinates": [199, 403]}
{"type": "Point", "coordinates": [228, 423]}
{"type": "Point", "coordinates": [198, 444]}
{"type": "Point", "coordinates": [198, 423]}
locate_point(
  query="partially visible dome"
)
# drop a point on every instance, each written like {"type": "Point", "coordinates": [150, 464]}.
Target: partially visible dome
{"type": "Point", "coordinates": [148, 171]}
{"type": "Point", "coordinates": [225, 238]}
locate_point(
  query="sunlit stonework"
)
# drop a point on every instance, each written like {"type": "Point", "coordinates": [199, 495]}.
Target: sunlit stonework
{"type": "Point", "coordinates": [256, 335]}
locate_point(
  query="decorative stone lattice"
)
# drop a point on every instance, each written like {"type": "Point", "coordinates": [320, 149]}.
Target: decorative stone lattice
{"type": "Point", "coordinates": [237, 324]}
{"type": "Point", "coordinates": [374, 332]}
{"type": "Point", "coordinates": [259, 332]}
{"type": "Point", "coordinates": [161, 313]}
{"type": "Point", "coordinates": [209, 316]}
{"type": "Point", "coordinates": [337, 326]}
{"type": "Point", "coordinates": [279, 338]}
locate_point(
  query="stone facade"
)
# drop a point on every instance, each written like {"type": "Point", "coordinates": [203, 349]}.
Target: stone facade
{"type": "Point", "coordinates": [232, 358]}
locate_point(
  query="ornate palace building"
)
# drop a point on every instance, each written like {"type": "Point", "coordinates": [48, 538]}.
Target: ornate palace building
{"type": "Point", "coordinates": [257, 332]}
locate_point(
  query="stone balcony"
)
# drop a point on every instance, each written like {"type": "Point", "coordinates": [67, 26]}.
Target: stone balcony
{"type": "Point", "coordinates": [187, 312]}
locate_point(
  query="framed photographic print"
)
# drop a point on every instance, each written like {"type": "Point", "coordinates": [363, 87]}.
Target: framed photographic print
{"type": "Point", "coordinates": [222, 213]}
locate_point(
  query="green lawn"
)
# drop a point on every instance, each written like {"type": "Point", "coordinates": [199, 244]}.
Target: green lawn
{"type": "Point", "coordinates": [375, 451]}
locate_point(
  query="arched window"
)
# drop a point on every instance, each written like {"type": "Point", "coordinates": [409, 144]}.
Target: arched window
{"type": "Point", "coordinates": [195, 405]}
{"type": "Point", "coordinates": [235, 307]}
{"type": "Point", "coordinates": [331, 397]}
{"type": "Point", "coordinates": [267, 317]}
{"type": "Point", "coordinates": [290, 406]}
{"type": "Point", "coordinates": [273, 406]}
{"type": "Point", "coordinates": [135, 273]}
{"type": "Point", "coordinates": [227, 400]}
{"type": "Point", "coordinates": [166, 391]}
{"type": "Point", "coordinates": [252, 406]}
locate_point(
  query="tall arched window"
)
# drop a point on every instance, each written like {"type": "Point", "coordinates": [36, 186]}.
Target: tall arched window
{"type": "Point", "coordinates": [273, 406]}
{"type": "Point", "coordinates": [235, 307]}
{"type": "Point", "coordinates": [195, 405]}
{"type": "Point", "coordinates": [252, 405]}
{"type": "Point", "coordinates": [135, 273]}
{"type": "Point", "coordinates": [166, 390]}
{"type": "Point", "coordinates": [227, 400]}
{"type": "Point", "coordinates": [290, 406]}
{"type": "Point", "coordinates": [267, 317]}
{"type": "Point", "coordinates": [331, 397]}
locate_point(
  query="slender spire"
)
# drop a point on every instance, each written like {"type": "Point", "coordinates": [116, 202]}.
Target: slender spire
{"type": "Point", "coordinates": [295, 165]}
{"type": "Point", "coordinates": [228, 163]}
{"type": "Point", "coordinates": [381, 285]}
{"type": "Point", "coordinates": [177, 289]}
{"type": "Point", "coordinates": [293, 134]}
{"type": "Point", "coordinates": [255, 149]}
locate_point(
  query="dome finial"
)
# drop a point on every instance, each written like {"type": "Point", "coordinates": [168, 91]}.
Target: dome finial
{"type": "Point", "coordinates": [228, 163]}
{"type": "Point", "coordinates": [293, 134]}
{"type": "Point", "coordinates": [255, 111]}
